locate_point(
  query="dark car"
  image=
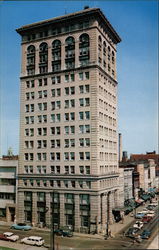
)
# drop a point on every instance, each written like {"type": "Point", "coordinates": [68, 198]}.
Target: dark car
{"type": "Point", "coordinates": [145, 234]}
{"type": "Point", "coordinates": [64, 233]}
{"type": "Point", "coordinates": [131, 232]}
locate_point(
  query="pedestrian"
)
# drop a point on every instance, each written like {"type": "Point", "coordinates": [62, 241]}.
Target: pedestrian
{"type": "Point", "coordinates": [109, 233]}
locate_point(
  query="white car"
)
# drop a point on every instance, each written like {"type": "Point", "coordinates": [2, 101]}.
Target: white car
{"type": "Point", "coordinates": [150, 215]}
{"type": "Point", "coordinates": [145, 211]}
{"type": "Point", "coordinates": [151, 212]}
{"type": "Point", "coordinates": [11, 236]}
{"type": "Point", "coordinates": [33, 240]}
{"type": "Point", "coordinates": [138, 225]}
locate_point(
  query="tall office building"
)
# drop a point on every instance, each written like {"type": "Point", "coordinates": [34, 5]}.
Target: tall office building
{"type": "Point", "coordinates": [68, 124]}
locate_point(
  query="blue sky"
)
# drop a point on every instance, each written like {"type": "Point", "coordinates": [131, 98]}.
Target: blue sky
{"type": "Point", "coordinates": [137, 65]}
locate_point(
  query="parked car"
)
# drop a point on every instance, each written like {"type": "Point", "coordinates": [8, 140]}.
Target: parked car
{"type": "Point", "coordinates": [3, 237]}
{"type": "Point", "coordinates": [63, 232]}
{"type": "Point", "coordinates": [21, 226]}
{"type": "Point", "coordinates": [151, 207]}
{"type": "Point", "coordinates": [138, 225]}
{"type": "Point", "coordinates": [139, 215]}
{"type": "Point", "coordinates": [151, 215]}
{"type": "Point", "coordinates": [145, 234]}
{"type": "Point", "coordinates": [11, 236]}
{"type": "Point", "coordinates": [151, 212]}
{"type": "Point", "coordinates": [146, 219]}
{"type": "Point", "coordinates": [131, 232]}
{"type": "Point", "coordinates": [33, 240]}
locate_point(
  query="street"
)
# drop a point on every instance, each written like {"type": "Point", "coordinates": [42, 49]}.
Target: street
{"type": "Point", "coordinates": [81, 242]}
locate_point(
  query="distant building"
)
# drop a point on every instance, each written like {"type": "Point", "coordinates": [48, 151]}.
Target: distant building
{"type": "Point", "coordinates": [8, 187]}
{"type": "Point", "coordinates": [145, 157]}
{"type": "Point", "coordinates": [143, 174]}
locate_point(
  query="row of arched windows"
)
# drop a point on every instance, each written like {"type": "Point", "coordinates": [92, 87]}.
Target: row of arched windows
{"type": "Point", "coordinates": [102, 46]}
{"type": "Point", "coordinates": [56, 54]}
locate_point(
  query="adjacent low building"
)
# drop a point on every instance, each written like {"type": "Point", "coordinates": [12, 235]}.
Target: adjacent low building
{"type": "Point", "coordinates": [143, 174]}
{"type": "Point", "coordinates": [8, 187]}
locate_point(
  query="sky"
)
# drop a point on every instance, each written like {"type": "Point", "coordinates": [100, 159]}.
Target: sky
{"type": "Point", "coordinates": [137, 66]}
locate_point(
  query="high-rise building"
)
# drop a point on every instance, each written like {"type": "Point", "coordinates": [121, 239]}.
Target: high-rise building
{"type": "Point", "coordinates": [68, 124]}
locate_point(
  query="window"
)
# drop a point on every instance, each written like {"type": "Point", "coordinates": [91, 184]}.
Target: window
{"type": "Point", "coordinates": [72, 129]}
{"type": "Point", "coordinates": [66, 156]}
{"type": "Point", "coordinates": [72, 156]}
{"type": "Point", "coordinates": [72, 90]}
{"type": "Point", "coordinates": [87, 115]}
{"type": "Point", "coordinates": [81, 102]}
{"type": "Point", "coordinates": [72, 169]}
{"type": "Point", "coordinates": [66, 143]}
{"type": "Point", "coordinates": [81, 76]}
{"type": "Point", "coordinates": [81, 169]}
{"type": "Point", "coordinates": [56, 79]}
{"type": "Point", "coordinates": [72, 116]}
{"type": "Point", "coordinates": [87, 155]}
{"type": "Point", "coordinates": [81, 142]}
{"type": "Point", "coordinates": [81, 116]}
{"type": "Point", "coordinates": [84, 89]}
{"type": "Point", "coordinates": [81, 155]}
{"type": "Point", "coordinates": [87, 169]}
{"type": "Point", "coordinates": [70, 78]}
{"type": "Point", "coordinates": [86, 75]}
{"type": "Point", "coordinates": [66, 129]}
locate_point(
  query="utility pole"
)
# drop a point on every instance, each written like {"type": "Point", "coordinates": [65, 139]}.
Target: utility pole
{"type": "Point", "coordinates": [52, 237]}
{"type": "Point", "coordinates": [108, 208]}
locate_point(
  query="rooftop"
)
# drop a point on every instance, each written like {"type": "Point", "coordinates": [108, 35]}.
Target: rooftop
{"type": "Point", "coordinates": [88, 11]}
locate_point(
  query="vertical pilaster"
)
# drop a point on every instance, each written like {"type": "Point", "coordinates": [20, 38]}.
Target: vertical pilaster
{"type": "Point", "coordinates": [95, 213]}
{"type": "Point", "coordinates": [37, 60]}
{"type": "Point", "coordinates": [104, 212]}
{"type": "Point", "coordinates": [47, 215]}
{"type": "Point", "coordinates": [20, 214]}
{"type": "Point", "coordinates": [50, 57]}
{"type": "Point", "coordinates": [77, 212]}
{"type": "Point", "coordinates": [34, 209]}
{"type": "Point", "coordinates": [62, 209]}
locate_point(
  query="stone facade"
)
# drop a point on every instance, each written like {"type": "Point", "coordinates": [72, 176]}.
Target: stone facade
{"type": "Point", "coordinates": [8, 188]}
{"type": "Point", "coordinates": [68, 123]}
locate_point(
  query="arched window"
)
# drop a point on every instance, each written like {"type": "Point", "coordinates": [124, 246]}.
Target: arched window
{"type": "Point", "coordinates": [31, 49]}
{"type": "Point", "coordinates": [70, 52]}
{"type": "Point", "coordinates": [99, 43]}
{"type": "Point", "coordinates": [43, 57]}
{"type": "Point", "coordinates": [84, 49]}
{"type": "Point", "coordinates": [70, 41]}
{"type": "Point", "coordinates": [43, 47]}
{"type": "Point", "coordinates": [31, 60]}
{"type": "Point", "coordinates": [109, 53]}
{"type": "Point", "coordinates": [113, 57]}
{"type": "Point", "coordinates": [56, 44]}
{"type": "Point", "coordinates": [56, 55]}
{"type": "Point", "coordinates": [104, 48]}
{"type": "Point", "coordinates": [84, 38]}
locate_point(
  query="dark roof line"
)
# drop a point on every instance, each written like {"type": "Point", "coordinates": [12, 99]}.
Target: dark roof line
{"type": "Point", "coordinates": [71, 16]}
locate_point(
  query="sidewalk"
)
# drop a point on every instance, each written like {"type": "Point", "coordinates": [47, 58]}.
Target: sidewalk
{"type": "Point", "coordinates": [155, 243]}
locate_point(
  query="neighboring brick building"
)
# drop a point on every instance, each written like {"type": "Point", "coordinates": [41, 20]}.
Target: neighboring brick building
{"type": "Point", "coordinates": [145, 157]}
{"type": "Point", "coordinates": [144, 173]}
{"type": "Point", "coordinates": [8, 187]}
{"type": "Point", "coordinates": [68, 123]}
